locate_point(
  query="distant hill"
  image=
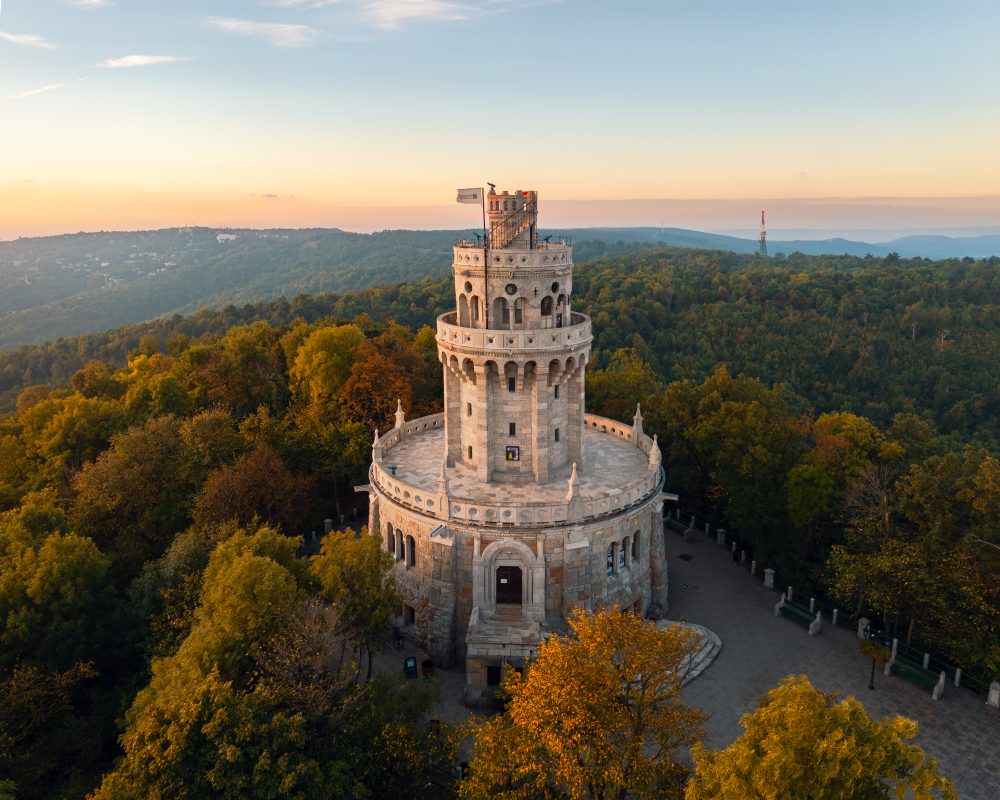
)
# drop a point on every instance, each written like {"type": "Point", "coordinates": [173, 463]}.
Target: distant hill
{"type": "Point", "coordinates": [67, 285]}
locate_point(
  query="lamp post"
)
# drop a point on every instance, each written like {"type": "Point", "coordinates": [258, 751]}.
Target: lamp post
{"type": "Point", "coordinates": [869, 635]}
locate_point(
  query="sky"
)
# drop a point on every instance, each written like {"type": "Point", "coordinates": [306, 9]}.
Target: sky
{"type": "Point", "coordinates": [368, 114]}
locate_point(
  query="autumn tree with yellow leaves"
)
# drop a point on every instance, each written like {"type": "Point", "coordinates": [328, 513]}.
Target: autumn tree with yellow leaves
{"type": "Point", "coordinates": [597, 716]}
{"type": "Point", "coordinates": [805, 744]}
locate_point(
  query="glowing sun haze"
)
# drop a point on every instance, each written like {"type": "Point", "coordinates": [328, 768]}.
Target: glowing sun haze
{"type": "Point", "coordinates": [366, 114]}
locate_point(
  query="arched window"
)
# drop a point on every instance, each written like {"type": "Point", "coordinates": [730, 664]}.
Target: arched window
{"type": "Point", "coordinates": [625, 553]}
{"type": "Point", "coordinates": [561, 301]}
{"type": "Point", "coordinates": [463, 311]}
{"type": "Point", "coordinates": [635, 545]}
{"type": "Point", "coordinates": [411, 552]}
{"type": "Point", "coordinates": [546, 306]}
{"type": "Point", "coordinates": [611, 559]}
{"type": "Point", "coordinates": [501, 312]}
{"type": "Point", "coordinates": [519, 311]}
{"type": "Point", "coordinates": [474, 307]}
{"type": "Point", "coordinates": [390, 539]}
{"type": "Point", "coordinates": [399, 546]}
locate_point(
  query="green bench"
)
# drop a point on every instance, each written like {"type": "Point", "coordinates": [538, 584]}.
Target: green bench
{"type": "Point", "coordinates": [915, 672]}
{"type": "Point", "coordinates": [800, 614]}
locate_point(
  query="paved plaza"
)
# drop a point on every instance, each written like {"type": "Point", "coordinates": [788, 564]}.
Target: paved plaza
{"type": "Point", "coordinates": [759, 649]}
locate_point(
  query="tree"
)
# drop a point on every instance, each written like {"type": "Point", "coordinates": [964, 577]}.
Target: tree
{"type": "Point", "coordinates": [257, 485]}
{"type": "Point", "coordinates": [323, 363]}
{"type": "Point", "coordinates": [597, 715]}
{"type": "Point", "coordinates": [805, 744]}
{"type": "Point", "coordinates": [355, 574]}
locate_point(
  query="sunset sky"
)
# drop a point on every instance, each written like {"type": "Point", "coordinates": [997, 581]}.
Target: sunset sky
{"type": "Point", "coordinates": [367, 114]}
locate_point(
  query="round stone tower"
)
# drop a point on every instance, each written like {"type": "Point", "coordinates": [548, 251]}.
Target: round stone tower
{"type": "Point", "coordinates": [514, 507]}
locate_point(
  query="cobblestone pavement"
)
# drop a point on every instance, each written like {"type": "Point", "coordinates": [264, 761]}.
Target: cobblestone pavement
{"type": "Point", "coordinates": [759, 649]}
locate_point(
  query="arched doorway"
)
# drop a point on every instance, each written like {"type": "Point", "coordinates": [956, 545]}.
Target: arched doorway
{"type": "Point", "coordinates": [508, 586]}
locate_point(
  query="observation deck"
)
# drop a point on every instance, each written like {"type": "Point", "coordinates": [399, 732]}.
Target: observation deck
{"type": "Point", "coordinates": [407, 470]}
{"type": "Point", "coordinates": [500, 341]}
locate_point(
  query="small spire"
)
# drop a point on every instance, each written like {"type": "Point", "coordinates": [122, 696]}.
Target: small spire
{"type": "Point", "coordinates": [400, 416]}
{"type": "Point", "coordinates": [655, 457]}
{"type": "Point", "coordinates": [376, 442]}
{"type": "Point", "coordinates": [574, 485]}
{"type": "Point", "coordinates": [637, 424]}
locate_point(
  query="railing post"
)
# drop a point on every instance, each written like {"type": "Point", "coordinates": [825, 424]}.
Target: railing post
{"type": "Point", "coordinates": [927, 660]}
{"type": "Point", "coordinates": [789, 593]}
{"type": "Point", "coordinates": [836, 613]}
{"type": "Point", "coordinates": [812, 605]}
{"type": "Point", "coordinates": [958, 676]}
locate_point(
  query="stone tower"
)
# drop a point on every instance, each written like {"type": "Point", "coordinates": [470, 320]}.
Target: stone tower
{"type": "Point", "coordinates": [514, 507]}
{"type": "Point", "coordinates": [514, 357]}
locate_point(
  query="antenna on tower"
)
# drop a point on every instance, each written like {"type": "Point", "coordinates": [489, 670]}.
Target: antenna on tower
{"type": "Point", "coordinates": [762, 245]}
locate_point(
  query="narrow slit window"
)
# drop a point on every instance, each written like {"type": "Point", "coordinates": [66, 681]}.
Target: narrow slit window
{"type": "Point", "coordinates": [557, 391]}
{"type": "Point", "coordinates": [512, 428]}
{"type": "Point", "coordinates": [470, 452]}
{"type": "Point", "coordinates": [511, 384]}
{"type": "Point", "coordinates": [557, 434]}
{"type": "Point", "coordinates": [468, 409]}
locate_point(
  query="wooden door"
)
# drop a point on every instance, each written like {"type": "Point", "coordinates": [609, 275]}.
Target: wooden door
{"type": "Point", "coordinates": [509, 585]}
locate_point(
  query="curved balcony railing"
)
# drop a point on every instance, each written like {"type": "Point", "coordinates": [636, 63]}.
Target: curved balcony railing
{"type": "Point", "coordinates": [533, 339]}
{"type": "Point", "coordinates": [545, 513]}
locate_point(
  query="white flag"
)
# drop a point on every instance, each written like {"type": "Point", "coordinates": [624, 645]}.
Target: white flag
{"type": "Point", "coordinates": [470, 195]}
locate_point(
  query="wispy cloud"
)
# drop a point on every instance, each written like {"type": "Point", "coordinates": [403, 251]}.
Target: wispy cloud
{"type": "Point", "coordinates": [31, 92]}
{"type": "Point", "coordinates": [89, 3]}
{"type": "Point", "coordinates": [27, 39]}
{"type": "Point", "coordinates": [391, 14]}
{"type": "Point", "coordinates": [129, 62]}
{"type": "Point", "coordinates": [276, 34]}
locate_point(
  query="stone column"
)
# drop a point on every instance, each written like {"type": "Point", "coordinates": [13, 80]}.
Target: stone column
{"type": "Point", "coordinates": [374, 526]}
{"type": "Point", "coordinates": [483, 460]}
{"type": "Point", "coordinates": [540, 424]}
{"type": "Point", "coordinates": [452, 415]}
{"type": "Point", "coordinates": [658, 601]}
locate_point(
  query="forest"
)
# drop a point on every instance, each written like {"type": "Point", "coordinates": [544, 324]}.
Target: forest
{"type": "Point", "coordinates": [166, 613]}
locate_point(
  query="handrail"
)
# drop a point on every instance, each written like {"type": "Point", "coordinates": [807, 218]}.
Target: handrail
{"type": "Point", "coordinates": [504, 231]}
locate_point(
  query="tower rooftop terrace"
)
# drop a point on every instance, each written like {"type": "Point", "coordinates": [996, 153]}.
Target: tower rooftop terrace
{"type": "Point", "coordinates": [617, 476]}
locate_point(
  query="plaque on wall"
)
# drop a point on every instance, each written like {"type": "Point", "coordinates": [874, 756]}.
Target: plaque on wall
{"type": "Point", "coordinates": [513, 453]}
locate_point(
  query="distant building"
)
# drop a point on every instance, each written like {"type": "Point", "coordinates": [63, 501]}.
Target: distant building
{"type": "Point", "coordinates": [514, 507]}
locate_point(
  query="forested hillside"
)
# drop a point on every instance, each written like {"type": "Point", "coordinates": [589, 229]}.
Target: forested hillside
{"type": "Point", "coordinates": [88, 282]}
{"type": "Point", "coordinates": [159, 485]}
{"type": "Point", "coordinates": [74, 284]}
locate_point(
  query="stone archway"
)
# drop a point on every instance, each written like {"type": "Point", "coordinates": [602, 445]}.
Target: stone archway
{"type": "Point", "coordinates": [498, 561]}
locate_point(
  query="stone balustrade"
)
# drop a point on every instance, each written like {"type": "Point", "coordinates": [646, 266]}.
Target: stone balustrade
{"type": "Point", "coordinates": [544, 513]}
{"type": "Point", "coordinates": [499, 340]}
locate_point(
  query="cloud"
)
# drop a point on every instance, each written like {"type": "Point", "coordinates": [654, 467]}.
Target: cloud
{"type": "Point", "coordinates": [139, 61]}
{"type": "Point", "coordinates": [90, 3]}
{"type": "Point", "coordinates": [31, 92]}
{"type": "Point", "coordinates": [27, 39]}
{"type": "Point", "coordinates": [390, 14]}
{"type": "Point", "coordinates": [275, 34]}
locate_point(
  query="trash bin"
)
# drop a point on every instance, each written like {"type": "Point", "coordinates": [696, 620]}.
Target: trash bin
{"type": "Point", "coordinates": [410, 667]}
{"type": "Point", "coordinates": [427, 668]}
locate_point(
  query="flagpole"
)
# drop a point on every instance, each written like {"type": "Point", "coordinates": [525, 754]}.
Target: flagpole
{"type": "Point", "coordinates": [486, 261]}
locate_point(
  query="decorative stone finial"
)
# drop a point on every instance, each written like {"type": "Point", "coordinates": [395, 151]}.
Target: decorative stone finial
{"type": "Point", "coordinates": [655, 457]}
{"type": "Point", "coordinates": [376, 442]}
{"type": "Point", "coordinates": [637, 424]}
{"type": "Point", "coordinates": [574, 485]}
{"type": "Point", "coordinates": [400, 416]}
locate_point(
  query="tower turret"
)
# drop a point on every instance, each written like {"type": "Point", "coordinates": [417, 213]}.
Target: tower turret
{"type": "Point", "coordinates": [513, 352]}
